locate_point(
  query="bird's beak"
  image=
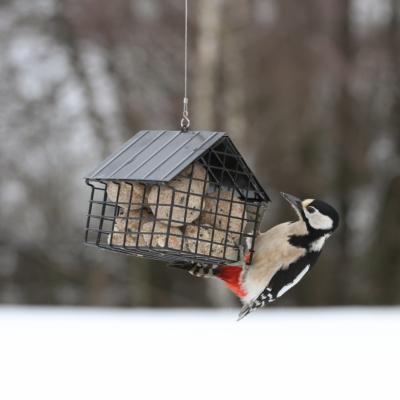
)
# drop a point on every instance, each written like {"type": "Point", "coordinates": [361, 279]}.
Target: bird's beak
{"type": "Point", "coordinates": [294, 202]}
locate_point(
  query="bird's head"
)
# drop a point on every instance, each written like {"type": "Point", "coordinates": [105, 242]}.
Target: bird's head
{"type": "Point", "coordinates": [317, 215]}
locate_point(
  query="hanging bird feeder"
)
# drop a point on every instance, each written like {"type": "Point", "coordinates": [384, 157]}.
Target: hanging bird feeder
{"type": "Point", "coordinates": [176, 196]}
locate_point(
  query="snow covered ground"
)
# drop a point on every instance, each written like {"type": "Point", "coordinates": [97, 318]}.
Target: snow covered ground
{"type": "Point", "coordinates": [76, 354]}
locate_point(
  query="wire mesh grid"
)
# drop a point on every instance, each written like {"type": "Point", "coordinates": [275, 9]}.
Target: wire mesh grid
{"type": "Point", "coordinates": [202, 215]}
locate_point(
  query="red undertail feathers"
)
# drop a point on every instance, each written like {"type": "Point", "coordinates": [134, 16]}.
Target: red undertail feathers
{"type": "Point", "coordinates": [230, 274]}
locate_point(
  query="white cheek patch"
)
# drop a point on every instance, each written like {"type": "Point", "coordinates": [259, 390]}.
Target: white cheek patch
{"type": "Point", "coordinates": [294, 282]}
{"type": "Point", "coordinates": [319, 221]}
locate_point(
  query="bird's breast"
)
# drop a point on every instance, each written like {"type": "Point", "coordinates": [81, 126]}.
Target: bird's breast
{"type": "Point", "coordinates": [272, 253]}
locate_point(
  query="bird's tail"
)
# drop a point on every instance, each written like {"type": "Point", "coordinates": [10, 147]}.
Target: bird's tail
{"type": "Point", "coordinates": [243, 312]}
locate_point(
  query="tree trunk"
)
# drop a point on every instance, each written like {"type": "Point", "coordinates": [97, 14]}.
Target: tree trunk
{"type": "Point", "coordinates": [345, 133]}
{"type": "Point", "coordinates": [237, 17]}
{"type": "Point", "coordinates": [206, 96]}
{"type": "Point", "coordinates": [207, 64]}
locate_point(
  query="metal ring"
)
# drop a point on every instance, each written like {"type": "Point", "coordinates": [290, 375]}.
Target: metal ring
{"type": "Point", "coordinates": [185, 123]}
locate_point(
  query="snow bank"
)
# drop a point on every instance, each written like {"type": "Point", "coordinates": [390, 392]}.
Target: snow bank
{"type": "Point", "coordinates": [297, 354]}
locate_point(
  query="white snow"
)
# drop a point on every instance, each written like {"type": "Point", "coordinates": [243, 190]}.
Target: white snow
{"type": "Point", "coordinates": [88, 354]}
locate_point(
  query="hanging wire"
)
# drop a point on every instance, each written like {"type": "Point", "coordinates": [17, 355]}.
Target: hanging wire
{"type": "Point", "coordinates": [185, 121]}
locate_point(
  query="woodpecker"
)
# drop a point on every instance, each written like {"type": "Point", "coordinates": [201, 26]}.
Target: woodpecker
{"type": "Point", "coordinates": [283, 255]}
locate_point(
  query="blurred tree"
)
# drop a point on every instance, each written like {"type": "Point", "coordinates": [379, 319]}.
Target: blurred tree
{"type": "Point", "coordinates": [309, 91]}
{"type": "Point", "coordinates": [345, 136]}
{"type": "Point", "coordinates": [206, 86]}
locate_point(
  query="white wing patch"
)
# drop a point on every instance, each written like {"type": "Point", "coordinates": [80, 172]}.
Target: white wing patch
{"type": "Point", "coordinates": [294, 282]}
{"type": "Point", "coordinates": [317, 244]}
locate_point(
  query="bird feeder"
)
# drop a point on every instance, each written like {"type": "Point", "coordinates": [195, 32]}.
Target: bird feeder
{"type": "Point", "coordinates": [177, 197]}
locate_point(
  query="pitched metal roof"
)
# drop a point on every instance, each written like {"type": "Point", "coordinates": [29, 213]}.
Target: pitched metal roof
{"type": "Point", "coordinates": [155, 156]}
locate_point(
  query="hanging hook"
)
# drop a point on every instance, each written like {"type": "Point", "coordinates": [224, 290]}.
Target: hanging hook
{"type": "Point", "coordinates": [185, 121]}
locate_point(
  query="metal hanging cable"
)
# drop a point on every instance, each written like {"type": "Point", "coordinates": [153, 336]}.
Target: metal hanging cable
{"type": "Point", "coordinates": [185, 121]}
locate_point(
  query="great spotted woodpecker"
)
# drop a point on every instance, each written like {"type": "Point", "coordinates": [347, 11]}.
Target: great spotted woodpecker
{"type": "Point", "coordinates": [282, 256]}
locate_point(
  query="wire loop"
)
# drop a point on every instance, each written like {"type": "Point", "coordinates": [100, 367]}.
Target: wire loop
{"type": "Point", "coordinates": [185, 121]}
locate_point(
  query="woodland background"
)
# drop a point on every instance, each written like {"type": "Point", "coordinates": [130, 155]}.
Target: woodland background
{"type": "Point", "coordinates": [308, 90]}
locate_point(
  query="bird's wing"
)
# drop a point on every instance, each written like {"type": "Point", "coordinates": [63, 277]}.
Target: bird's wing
{"type": "Point", "coordinates": [284, 280]}
{"type": "Point", "coordinates": [281, 282]}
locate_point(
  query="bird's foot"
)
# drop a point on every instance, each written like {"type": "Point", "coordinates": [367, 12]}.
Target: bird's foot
{"type": "Point", "coordinates": [202, 271]}
{"type": "Point", "coordinates": [243, 259]}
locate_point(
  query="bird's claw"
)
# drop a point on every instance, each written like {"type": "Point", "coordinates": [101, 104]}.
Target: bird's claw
{"type": "Point", "coordinates": [201, 271]}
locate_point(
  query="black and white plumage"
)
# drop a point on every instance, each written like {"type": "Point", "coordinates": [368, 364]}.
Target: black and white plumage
{"type": "Point", "coordinates": [283, 255]}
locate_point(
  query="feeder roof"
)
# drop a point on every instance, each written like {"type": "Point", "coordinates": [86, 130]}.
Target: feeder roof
{"type": "Point", "coordinates": [155, 156]}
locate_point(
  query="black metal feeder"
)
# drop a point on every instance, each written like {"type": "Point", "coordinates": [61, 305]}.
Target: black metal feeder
{"type": "Point", "coordinates": [175, 196]}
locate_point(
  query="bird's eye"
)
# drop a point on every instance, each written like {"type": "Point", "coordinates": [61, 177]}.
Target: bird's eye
{"type": "Point", "coordinates": [311, 209]}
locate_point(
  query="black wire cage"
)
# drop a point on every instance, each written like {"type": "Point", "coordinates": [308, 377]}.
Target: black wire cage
{"type": "Point", "coordinates": [180, 197]}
